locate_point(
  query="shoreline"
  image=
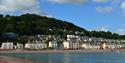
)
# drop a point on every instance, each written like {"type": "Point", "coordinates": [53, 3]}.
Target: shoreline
{"type": "Point", "coordinates": [6, 59]}
{"type": "Point", "coordinates": [61, 51]}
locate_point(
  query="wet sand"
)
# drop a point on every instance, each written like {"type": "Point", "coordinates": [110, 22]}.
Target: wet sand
{"type": "Point", "coordinates": [60, 51]}
{"type": "Point", "coordinates": [4, 59]}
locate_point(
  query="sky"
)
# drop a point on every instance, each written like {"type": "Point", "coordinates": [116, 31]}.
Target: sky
{"type": "Point", "coordinates": [100, 15]}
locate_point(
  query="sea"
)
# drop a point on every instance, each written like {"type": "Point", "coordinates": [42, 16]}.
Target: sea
{"type": "Point", "coordinates": [84, 57]}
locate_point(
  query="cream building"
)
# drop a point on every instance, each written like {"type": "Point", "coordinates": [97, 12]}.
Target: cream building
{"type": "Point", "coordinates": [7, 45]}
{"type": "Point", "coordinates": [35, 45]}
{"type": "Point", "coordinates": [19, 46]}
{"type": "Point", "coordinates": [52, 44]}
{"type": "Point", "coordinates": [66, 45]}
{"type": "Point", "coordinates": [89, 46]}
{"type": "Point", "coordinates": [84, 46]}
{"type": "Point", "coordinates": [103, 46]}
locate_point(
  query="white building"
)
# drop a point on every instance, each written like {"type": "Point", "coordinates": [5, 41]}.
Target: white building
{"type": "Point", "coordinates": [83, 46]}
{"type": "Point", "coordinates": [7, 45]}
{"type": "Point", "coordinates": [74, 45]}
{"type": "Point", "coordinates": [89, 46]}
{"type": "Point", "coordinates": [95, 47]}
{"type": "Point", "coordinates": [111, 46]}
{"type": "Point", "coordinates": [71, 45]}
{"type": "Point", "coordinates": [72, 42]}
{"type": "Point", "coordinates": [70, 36]}
{"type": "Point", "coordinates": [35, 45]}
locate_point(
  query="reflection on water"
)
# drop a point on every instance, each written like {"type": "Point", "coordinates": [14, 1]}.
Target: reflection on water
{"type": "Point", "coordinates": [107, 57]}
{"type": "Point", "coordinates": [66, 58]}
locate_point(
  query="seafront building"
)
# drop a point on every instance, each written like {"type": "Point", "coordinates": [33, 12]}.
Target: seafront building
{"type": "Point", "coordinates": [53, 44]}
{"type": "Point", "coordinates": [65, 45]}
{"type": "Point", "coordinates": [35, 46]}
{"type": "Point", "coordinates": [8, 45]}
{"type": "Point", "coordinates": [70, 42]}
{"type": "Point", "coordinates": [34, 43]}
{"type": "Point", "coordinates": [71, 45]}
{"type": "Point", "coordinates": [19, 46]}
{"type": "Point", "coordinates": [89, 46]}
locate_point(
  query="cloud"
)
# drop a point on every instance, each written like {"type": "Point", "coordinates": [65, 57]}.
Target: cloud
{"type": "Point", "coordinates": [104, 9]}
{"type": "Point", "coordinates": [121, 31]}
{"type": "Point", "coordinates": [123, 5]}
{"type": "Point", "coordinates": [101, 1]}
{"type": "Point", "coordinates": [103, 29]}
{"type": "Point", "coordinates": [10, 6]}
{"type": "Point", "coordinates": [68, 1]}
{"type": "Point", "coordinates": [4, 9]}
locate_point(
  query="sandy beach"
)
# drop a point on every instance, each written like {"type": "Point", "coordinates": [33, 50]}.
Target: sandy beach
{"type": "Point", "coordinates": [4, 59]}
{"type": "Point", "coordinates": [51, 51]}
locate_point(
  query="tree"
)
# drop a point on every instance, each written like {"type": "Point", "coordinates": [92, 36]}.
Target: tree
{"type": "Point", "coordinates": [31, 24]}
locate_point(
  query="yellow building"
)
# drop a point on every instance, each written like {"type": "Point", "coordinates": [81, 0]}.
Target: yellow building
{"type": "Point", "coordinates": [103, 46]}
{"type": "Point", "coordinates": [66, 45]}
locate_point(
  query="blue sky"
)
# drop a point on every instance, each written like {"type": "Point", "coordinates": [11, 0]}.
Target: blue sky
{"type": "Point", "coordinates": [101, 15]}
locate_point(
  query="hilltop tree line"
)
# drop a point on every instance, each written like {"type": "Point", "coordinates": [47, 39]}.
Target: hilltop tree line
{"type": "Point", "coordinates": [32, 24]}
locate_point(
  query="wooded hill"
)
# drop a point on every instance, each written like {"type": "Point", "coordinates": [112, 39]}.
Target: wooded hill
{"type": "Point", "coordinates": [31, 24]}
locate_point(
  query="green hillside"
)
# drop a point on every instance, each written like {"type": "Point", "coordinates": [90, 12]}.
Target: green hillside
{"type": "Point", "coordinates": [34, 24]}
{"type": "Point", "coordinates": [30, 24]}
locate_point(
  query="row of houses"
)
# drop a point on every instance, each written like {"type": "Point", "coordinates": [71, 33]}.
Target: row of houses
{"type": "Point", "coordinates": [10, 45]}
{"type": "Point", "coordinates": [71, 42]}
{"type": "Point", "coordinates": [66, 45]}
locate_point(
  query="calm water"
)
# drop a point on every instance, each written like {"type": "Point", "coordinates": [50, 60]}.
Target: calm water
{"type": "Point", "coordinates": [107, 57]}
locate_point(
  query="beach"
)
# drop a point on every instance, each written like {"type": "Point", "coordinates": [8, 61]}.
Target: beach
{"type": "Point", "coordinates": [6, 59]}
{"type": "Point", "coordinates": [52, 51]}
{"type": "Point", "coordinates": [61, 51]}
